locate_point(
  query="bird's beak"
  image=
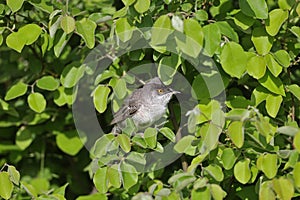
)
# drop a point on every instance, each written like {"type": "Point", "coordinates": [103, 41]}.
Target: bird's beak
{"type": "Point", "coordinates": [173, 91]}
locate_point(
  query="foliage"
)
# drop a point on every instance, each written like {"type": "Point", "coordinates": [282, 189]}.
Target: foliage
{"type": "Point", "coordinates": [240, 139]}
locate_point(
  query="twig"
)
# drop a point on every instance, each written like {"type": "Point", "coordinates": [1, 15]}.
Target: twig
{"type": "Point", "coordinates": [184, 163]}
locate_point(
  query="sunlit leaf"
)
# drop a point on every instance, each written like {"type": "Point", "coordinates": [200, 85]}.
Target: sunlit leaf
{"type": "Point", "coordinates": [15, 91]}
{"type": "Point", "coordinates": [86, 29]}
{"type": "Point", "coordinates": [124, 142]}
{"type": "Point", "coordinates": [67, 23]}
{"type": "Point", "coordinates": [273, 104]}
{"type": "Point", "coordinates": [283, 188]}
{"type": "Point", "coordinates": [232, 64]}
{"type": "Point", "coordinates": [6, 187]}
{"type": "Point", "coordinates": [37, 102]}
{"type": "Point", "coordinates": [261, 40]}
{"type": "Point", "coordinates": [242, 171]}
{"type": "Point", "coordinates": [48, 83]}
{"type": "Point", "coordinates": [15, 5]}
{"type": "Point", "coordinates": [100, 98]}
{"type": "Point", "coordinates": [236, 133]}
{"type": "Point", "coordinates": [129, 175]}
{"type": "Point", "coordinates": [100, 180]}
{"type": "Point", "coordinates": [254, 8]}
{"type": "Point", "coordinates": [142, 6]}
{"type": "Point", "coordinates": [276, 18]}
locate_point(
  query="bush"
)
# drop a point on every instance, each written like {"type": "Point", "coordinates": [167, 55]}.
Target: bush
{"type": "Point", "coordinates": [232, 132]}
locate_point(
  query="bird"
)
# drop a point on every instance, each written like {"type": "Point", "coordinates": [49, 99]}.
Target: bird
{"type": "Point", "coordinates": [144, 106]}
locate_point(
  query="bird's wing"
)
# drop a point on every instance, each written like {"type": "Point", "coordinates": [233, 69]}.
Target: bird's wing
{"type": "Point", "coordinates": [125, 112]}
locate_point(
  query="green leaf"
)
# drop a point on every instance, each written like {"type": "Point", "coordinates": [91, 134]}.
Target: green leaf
{"type": "Point", "coordinates": [86, 29]}
{"type": "Point", "coordinates": [284, 188]}
{"type": "Point", "coordinates": [273, 66]}
{"type": "Point", "coordinates": [233, 59]}
{"type": "Point", "coordinates": [30, 32]}
{"type": "Point", "coordinates": [120, 88]}
{"type": "Point", "coordinates": [150, 136]}
{"type": "Point", "coordinates": [63, 96]}
{"type": "Point", "coordinates": [203, 194]}
{"type": "Point", "coordinates": [100, 180]}
{"type": "Point", "coordinates": [114, 176]}
{"type": "Point", "coordinates": [296, 174]}
{"type": "Point", "coordinates": [71, 75]}
{"type": "Point", "coordinates": [286, 4]}
{"type": "Point", "coordinates": [15, 91]}
{"type": "Point", "coordinates": [243, 20]}
{"type": "Point", "coordinates": [242, 171]}
{"type": "Point", "coordinates": [266, 191]}
{"type": "Point", "coordinates": [236, 133]}
{"type": "Point", "coordinates": [276, 18]}
{"type": "Point", "coordinates": [129, 175]}
{"type": "Point", "coordinates": [183, 144]}
{"type": "Point", "coordinates": [1, 39]}
{"type": "Point", "coordinates": [142, 6]}
{"type": "Point", "coordinates": [181, 180]}
{"type": "Point", "coordinates": [210, 85]}
{"type": "Point", "coordinates": [15, 5]}
{"type": "Point", "coordinates": [128, 2]}
{"type": "Point", "coordinates": [256, 66]}
{"type": "Point", "coordinates": [167, 68]}
{"type": "Point", "coordinates": [6, 187]}
{"type": "Point", "coordinates": [217, 192]}
{"type": "Point", "coordinates": [227, 30]}
{"type": "Point", "coordinates": [124, 142]}
{"type": "Point", "coordinates": [100, 97]}
{"type": "Point", "coordinates": [215, 171]}
{"type": "Point", "coordinates": [296, 30]}
{"type": "Point", "coordinates": [282, 57]}
{"type": "Point", "coordinates": [210, 135]}
{"type": "Point", "coordinates": [123, 29]}
{"type": "Point", "coordinates": [254, 8]}
{"type": "Point", "coordinates": [273, 104]}
{"type": "Point", "coordinates": [36, 102]}
{"type": "Point", "coordinates": [61, 190]}
{"type": "Point", "coordinates": [261, 40]}
{"type": "Point", "coordinates": [272, 83]}
{"type": "Point", "coordinates": [139, 140]}
{"type": "Point", "coordinates": [93, 197]}
{"type": "Point", "coordinates": [24, 137]}
{"type": "Point", "coordinates": [269, 165]}
{"type": "Point", "coordinates": [69, 142]}
{"type": "Point", "coordinates": [161, 30]}
{"type": "Point", "coordinates": [15, 41]}
{"type": "Point", "coordinates": [67, 23]}
{"type": "Point", "coordinates": [135, 157]}
{"type": "Point", "coordinates": [168, 133]}
{"type": "Point", "coordinates": [41, 185]}
{"type": "Point", "coordinates": [14, 174]}
{"type": "Point", "coordinates": [191, 43]}
{"type": "Point", "coordinates": [295, 90]}
{"type": "Point", "coordinates": [212, 38]}
{"type": "Point", "coordinates": [29, 189]}
{"type": "Point", "coordinates": [228, 158]}
{"type": "Point", "coordinates": [177, 23]}
{"type": "Point", "coordinates": [101, 145]}
{"type": "Point", "coordinates": [201, 15]}
{"type": "Point", "coordinates": [60, 45]}
{"type": "Point", "coordinates": [48, 83]}
{"type": "Point", "coordinates": [296, 142]}
{"type": "Point", "coordinates": [259, 95]}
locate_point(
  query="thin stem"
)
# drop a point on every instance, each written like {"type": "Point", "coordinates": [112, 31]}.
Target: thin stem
{"type": "Point", "coordinates": [184, 163]}
{"type": "Point", "coordinates": [5, 165]}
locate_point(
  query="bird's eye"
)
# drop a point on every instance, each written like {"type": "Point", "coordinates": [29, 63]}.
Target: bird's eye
{"type": "Point", "coordinates": [160, 91]}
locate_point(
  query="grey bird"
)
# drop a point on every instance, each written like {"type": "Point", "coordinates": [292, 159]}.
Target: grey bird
{"type": "Point", "coordinates": [144, 106]}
